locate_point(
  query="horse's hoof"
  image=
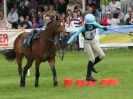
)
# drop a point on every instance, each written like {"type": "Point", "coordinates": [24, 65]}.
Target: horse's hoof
{"type": "Point", "coordinates": [55, 84]}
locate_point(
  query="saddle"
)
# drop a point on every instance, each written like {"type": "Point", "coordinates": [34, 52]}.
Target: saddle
{"type": "Point", "coordinates": [30, 37]}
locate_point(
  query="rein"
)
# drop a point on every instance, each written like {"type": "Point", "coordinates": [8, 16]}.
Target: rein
{"type": "Point", "coordinates": [60, 52]}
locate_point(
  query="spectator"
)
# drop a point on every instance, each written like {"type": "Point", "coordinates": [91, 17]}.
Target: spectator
{"type": "Point", "coordinates": [93, 11]}
{"type": "Point", "coordinates": [75, 20]}
{"type": "Point", "coordinates": [34, 23]}
{"type": "Point", "coordinates": [40, 19]}
{"type": "Point", "coordinates": [115, 20]}
{"type": "Point", "coordinates": [71, 5]}
{"type": "Point", "coordinates": [33, 4]}
{"type": "Point", "coordinates": [62, 18]}
{"type": "Point", "coordinates": [91, 3]}
{"type": "Point", "coordinates": [120, 14]}
{"type": "Point", "coordinates": [67, 22]}
{"type": "Point", "coordinates": [23, 24]}
{"type": "Point", "coordinates": [45, 9]}
{"type": "Point", "coordinates": [47, 19]}
{"type": "Point", "coordinates": [27, 3]}
{"type": "Point", "coordinates": [4, 24]}
{"type": "Point", "coordinates": [79, 13]}
{"type": "Point", "coordinates": [23, 10]}
{"type": "Point", "coordinates": [62, 6]}
{"type": "Point", "coordinates": [13, 17]}
{"type": "Point", "coordinates": [33, 13]}
{"type": "Point", "coordinates": [69, 14]}
{"type": "Point", "coordinates": [78, 7]}
{"type": "Point", "coordinates": [127, 15]}
{"type": "Point", "coordinates": [51, 10]}
{"type": "Point", "coordinates": [129, 20]}
{"type": "Point", "coordinates": [27, 19]}
{"type": "Point", "coordinates": [79, 2]}
{"type": "Point", "coordinates": [113, 4]}
{"type": "Point", "coordinates": [104, 21]}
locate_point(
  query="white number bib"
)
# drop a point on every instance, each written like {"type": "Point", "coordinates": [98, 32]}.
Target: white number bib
{"type": "Point", "coordinates": [90, 34]}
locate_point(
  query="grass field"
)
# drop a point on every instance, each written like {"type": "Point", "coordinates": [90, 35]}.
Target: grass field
{"type": "Point", "coordinates": [117, 64]}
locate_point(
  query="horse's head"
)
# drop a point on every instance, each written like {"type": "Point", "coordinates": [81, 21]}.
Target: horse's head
{"type": "Point", "coordinates": [59, 27]}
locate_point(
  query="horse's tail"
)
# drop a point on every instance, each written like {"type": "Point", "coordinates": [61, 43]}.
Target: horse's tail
{"type": "Point", "coordinates": [9, 54]}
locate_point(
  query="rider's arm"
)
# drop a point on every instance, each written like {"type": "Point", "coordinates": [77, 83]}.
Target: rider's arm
{"type": "Point", "coordinates": [76, 34]}
{"type": "Point", "coordinates": [98, 25]}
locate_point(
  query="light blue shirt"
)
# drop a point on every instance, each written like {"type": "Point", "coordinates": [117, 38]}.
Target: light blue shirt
{"type": "Point", "coordinates": [82, 29]}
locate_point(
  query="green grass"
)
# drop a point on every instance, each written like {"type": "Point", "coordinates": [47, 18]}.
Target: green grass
{"type": "Point", "coordinates": [117, 64]}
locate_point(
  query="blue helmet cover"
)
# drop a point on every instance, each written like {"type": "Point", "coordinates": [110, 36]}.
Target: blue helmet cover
{"type": "Point", "coordinates": [90, 19]}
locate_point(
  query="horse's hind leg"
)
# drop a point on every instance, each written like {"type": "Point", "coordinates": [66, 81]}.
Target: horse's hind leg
{"type": "Point", "coordinates": [37, 74]}
{"type": "Point", "coordinates": [28, 65]}
{"type": "Point", "coordinates": [52, 66]}
{"type": "Point", "coordinates": [19, 62]}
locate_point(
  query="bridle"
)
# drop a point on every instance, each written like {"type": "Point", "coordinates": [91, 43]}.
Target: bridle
{"type": "Point", "coordinates": [60, 51]}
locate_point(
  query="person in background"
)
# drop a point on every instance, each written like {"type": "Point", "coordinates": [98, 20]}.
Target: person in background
{"type": "Point", "coordinates": [129, 20]}
{"type": "Point", "coordinates": [45, 9]}
{"type": "Point", "coordinates": [13, 18]}
{"type": "Point", "coordinates": [23, 10]}
{"type": "Point", "coordinates": [33, 4]}
{"type": "Point", "coordinates": [90, 44]}
{"type": "Point", "coordinates": [79, 14]}
{"type": "Point", "coordinates": [40, 19]}
{"type": "Point", "coordinates": [69, 13]}
{"type": "Point", "coordinates": [92, 10]}
{"type": "Point", "coordinates": [78, 7]}
{"type": "Point", "coordinates": [71, 5]}
{"type": "Point", "coordinates": [91, 3]}
{"type": "Point", "coordinates": [120, 14]}
{"type": "Point", "coordinates": [115, 20]}
{"type": "Point", "coordinates": [113, 4]}
{"type": "Point", "coordinates": [47, 19]}
{"type": "Point", "coordinates": [62, 18]}
{"type": "Point", "coordinates": [128, 13]}
{"type": "Point", "coordinates": [34, 23]}
{"type": "Point", "coordinates": [62, 6]}
{"type": "Point", "coordinates": [23, 24]}
{"type": "Point", "coordinates": [51, 10]}
{"type": "Point", "coordinates": [4, 23]}
{"type": "Point", "coordinates": [106, 19]}
{"type": "Point", "coordinates": [27, 19]}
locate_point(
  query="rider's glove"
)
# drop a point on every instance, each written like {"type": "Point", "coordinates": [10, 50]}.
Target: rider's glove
{"type": "Point", "coordinates": [105, 28]}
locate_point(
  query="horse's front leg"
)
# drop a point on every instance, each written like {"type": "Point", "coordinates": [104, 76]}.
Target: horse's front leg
{"type": "Point", "coordinates": [52, 66]}
{"type": "Point", "coordinates": [37, 74]}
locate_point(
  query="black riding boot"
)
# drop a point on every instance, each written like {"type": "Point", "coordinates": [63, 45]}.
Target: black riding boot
{"type": "Point", "coordinates": [89, 71]}
{"type": "Point", "coordinates": [97, 59]}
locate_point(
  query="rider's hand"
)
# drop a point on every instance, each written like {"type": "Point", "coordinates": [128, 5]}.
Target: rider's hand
{"type": "Point", "coordinates": [105, 28]}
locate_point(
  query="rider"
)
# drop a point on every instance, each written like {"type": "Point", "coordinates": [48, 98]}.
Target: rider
{"type": "Point", "coordinates": [89, 30]}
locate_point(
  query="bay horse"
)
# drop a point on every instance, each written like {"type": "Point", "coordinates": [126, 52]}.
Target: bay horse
{"type": "Point", "coordinates": [43, 49]}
